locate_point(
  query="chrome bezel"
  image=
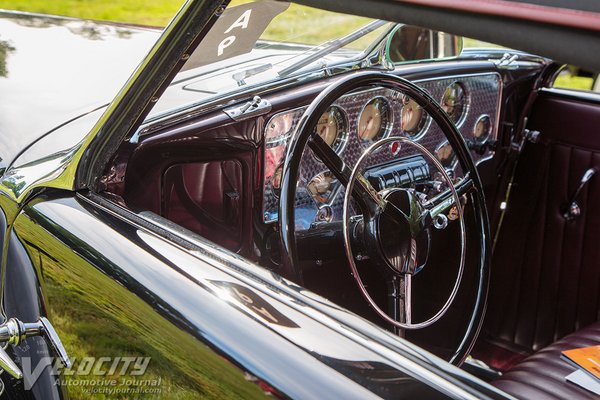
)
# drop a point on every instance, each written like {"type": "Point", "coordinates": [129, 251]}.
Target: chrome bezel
{"type": "Point", "coordinates": [341, 138]}
{"type": "Point", "coordinates": [466, 108]}
{"type": "Point", "coordinates": [454, 162]}
{"type": "Point", "coordinates": [284, 138]}
{"type": "Point", "coordinates": [385, 129]}
{"type": "Point", "coordinates": [423, 125]}
{"type": "Point", "coordinates": [487, 135]}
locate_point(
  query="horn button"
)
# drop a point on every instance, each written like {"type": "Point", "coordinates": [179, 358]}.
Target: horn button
{"type": "Point", "coordinates": [403, 237]}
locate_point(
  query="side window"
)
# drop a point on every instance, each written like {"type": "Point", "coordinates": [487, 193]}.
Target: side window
{"type": "Point", "coordinates": [575, 78]}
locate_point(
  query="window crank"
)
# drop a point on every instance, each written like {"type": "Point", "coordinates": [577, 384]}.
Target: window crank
{"type": "Point", "coordinates": [14, 332]}
{"type": "Point", "coordinates": [571, 210]}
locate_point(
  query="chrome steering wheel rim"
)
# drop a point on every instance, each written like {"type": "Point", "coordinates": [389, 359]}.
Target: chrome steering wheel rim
{"type": "Point", "coordinates": [346, 229]}
{"type": "Point", "coordinates": [471, 185]}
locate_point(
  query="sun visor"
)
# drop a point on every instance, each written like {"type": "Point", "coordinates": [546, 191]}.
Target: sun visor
{"type": "Point", "coordinates": [235, 32]}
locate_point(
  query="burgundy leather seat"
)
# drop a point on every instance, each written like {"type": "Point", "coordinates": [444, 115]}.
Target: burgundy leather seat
{"type": "Point", "coordinates": [542, 375]}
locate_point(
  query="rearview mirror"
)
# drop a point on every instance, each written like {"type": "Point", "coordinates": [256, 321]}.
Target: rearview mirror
{"type": "Point", "coordinates": [408, 43]}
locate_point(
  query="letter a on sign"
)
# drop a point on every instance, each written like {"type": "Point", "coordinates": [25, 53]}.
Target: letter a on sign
{"type": "Point", "coordinates": [235, 32]}
{"type": "Point", "coordinates": [242, 22]}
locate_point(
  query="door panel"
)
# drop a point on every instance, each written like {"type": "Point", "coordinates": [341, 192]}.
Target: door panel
{"type": "Point", "coordinates": [546, 269]}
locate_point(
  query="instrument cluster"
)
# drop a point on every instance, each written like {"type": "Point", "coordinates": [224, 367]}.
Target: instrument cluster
{"type": "Point", "coordinates": [358, 119]}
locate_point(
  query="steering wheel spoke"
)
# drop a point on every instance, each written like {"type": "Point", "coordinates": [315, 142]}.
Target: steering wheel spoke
{"type": "Point", "coordinates": [443, 202]}
{"type": "Point", "coordinates": [405, 299]}
{"type": "Point", "coordinates": [400, 301]}
{"type": "Point", "coordinates": [368, 199]}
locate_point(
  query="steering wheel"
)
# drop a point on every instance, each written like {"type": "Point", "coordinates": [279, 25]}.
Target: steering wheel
{"type": "Point", "coordinates": [393, 229]}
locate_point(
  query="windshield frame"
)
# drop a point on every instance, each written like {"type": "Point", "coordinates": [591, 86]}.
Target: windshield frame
{"type": "Point", "coordinates": [369, 56]}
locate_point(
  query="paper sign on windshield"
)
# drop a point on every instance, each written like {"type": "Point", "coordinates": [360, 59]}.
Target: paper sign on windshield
{"type": "Point", "coordinates": [235, 32]}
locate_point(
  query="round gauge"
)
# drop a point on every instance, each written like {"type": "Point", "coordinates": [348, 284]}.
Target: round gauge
{"type": "Point", "coordinates": [331, 126]}
{"type": "Point", "coordinates": [413, 117]}
{"type": "Point", "coordinates": [279, 126]}
{"type": "Point", "coordinates": [454, 101]}
{"type": "Point", "coordinates": [325, 214]}
{"type": "Point", "coordinates": [483, 128]}
{"type": "Point", "coordinates": [321, 186]}
{"type": "Point", "coordinates": [374, 120]}
{"type": "Point", "coordinates": [445, 155]}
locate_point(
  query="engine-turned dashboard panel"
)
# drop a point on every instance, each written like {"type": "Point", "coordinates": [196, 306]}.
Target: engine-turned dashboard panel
{"type": "Point", "coordinates": [360, 118]}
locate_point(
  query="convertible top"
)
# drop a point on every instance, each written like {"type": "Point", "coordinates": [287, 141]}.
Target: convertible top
{"type": "Point", "coordinates": [567, 31]}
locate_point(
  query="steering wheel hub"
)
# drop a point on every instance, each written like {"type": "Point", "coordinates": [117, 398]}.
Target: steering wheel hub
{"type": "Point", "coordinates": [403, 240]}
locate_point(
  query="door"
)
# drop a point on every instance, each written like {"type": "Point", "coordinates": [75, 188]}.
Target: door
{"type": "Point", "coordinates": [546, 273]}
{"type": "Point", "coordinates": [141, 315]}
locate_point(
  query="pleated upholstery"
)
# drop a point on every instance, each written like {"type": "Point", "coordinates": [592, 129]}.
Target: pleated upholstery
{"type": "Point", "coordinates": [542, 376]}
{"type": "Point", "coordinates": [546, 270]}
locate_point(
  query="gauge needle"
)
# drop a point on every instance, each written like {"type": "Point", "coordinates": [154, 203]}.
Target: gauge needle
{"type": "Point", "coordinates": [368, 126]}
{"type": "Point", "coordinates": [409, 113]}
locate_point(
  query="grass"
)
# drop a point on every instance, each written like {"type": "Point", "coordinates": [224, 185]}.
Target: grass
{"type": "Point", "coordinates": [146, 12]}
{"type": "Point", "coordinates": [291, 24]}
{"type": "Point", "coordinates": [568, 81]}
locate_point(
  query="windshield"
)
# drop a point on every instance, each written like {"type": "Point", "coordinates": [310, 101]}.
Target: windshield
{"type": "Point", "coordinates": [254, 43]}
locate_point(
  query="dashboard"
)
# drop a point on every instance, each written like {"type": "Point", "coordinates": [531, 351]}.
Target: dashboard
{"type": "Point", "coordinates": [357, 120]}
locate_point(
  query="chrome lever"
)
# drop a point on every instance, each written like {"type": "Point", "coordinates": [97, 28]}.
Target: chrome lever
{"type": "Point", "coordinates": [571, 210]}
{"type": "Point", "coordinates": [14, 332]}
{"type": "Point", "coordinates": [252, 108]}
{"type": "Point", "coordinates": [508, 61]}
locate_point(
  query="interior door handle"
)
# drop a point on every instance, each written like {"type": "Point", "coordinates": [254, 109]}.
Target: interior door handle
{"type": "Point", "coordinates": [14, 332]}
{"type": "Point", "coordinates": [571, 210]}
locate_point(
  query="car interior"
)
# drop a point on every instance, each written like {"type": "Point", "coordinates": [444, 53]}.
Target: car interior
{"type": "Point", "coordinates": [253, 172]}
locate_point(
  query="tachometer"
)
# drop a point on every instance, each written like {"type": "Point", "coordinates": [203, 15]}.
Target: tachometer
{"type": "Point", "coordinates": [374, 120]}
